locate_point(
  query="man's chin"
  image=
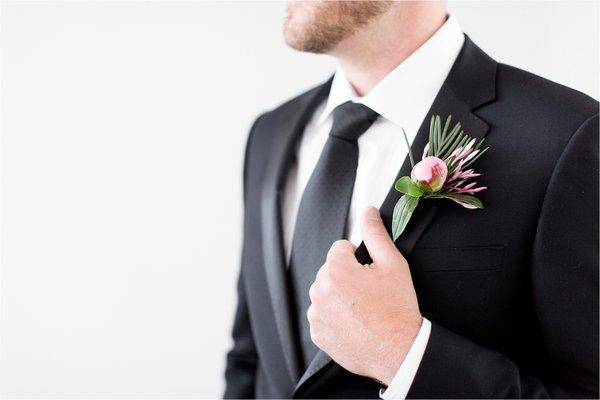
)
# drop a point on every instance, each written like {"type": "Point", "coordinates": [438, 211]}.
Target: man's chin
{"type": "Point", "coordinates": [306, 41]}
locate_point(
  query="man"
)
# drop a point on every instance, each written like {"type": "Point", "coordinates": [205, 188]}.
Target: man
{"type": "Point", "coordinates": [500, 302]}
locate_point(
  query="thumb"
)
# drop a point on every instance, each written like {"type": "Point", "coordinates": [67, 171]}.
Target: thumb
{"type": "Point", "coordinates": [377, 240]}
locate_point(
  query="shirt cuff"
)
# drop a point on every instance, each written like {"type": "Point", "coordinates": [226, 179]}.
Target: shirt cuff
{"type": "Point", "coordinates": [403, 379]}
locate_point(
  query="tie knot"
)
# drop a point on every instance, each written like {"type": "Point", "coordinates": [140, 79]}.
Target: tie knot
{"type": "Point", "coordinates": [350, 120]}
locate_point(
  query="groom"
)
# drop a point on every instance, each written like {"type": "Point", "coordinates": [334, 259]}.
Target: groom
{"type": "Point", "coordinates": [500, 302]}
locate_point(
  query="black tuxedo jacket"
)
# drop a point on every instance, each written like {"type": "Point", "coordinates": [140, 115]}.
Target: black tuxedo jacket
{"type": "Point", "coordinates": [511, 290]}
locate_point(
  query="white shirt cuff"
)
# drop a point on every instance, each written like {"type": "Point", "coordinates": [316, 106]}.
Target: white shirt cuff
{"type": "Point", "coordinates": [403, 379]}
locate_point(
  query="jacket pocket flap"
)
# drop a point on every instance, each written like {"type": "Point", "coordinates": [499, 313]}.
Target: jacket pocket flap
{"type": "Point", "coordinates": [457, 259]}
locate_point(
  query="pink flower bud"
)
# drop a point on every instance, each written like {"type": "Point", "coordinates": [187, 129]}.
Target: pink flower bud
{"type": "Point", "coordinates": [430, 174]}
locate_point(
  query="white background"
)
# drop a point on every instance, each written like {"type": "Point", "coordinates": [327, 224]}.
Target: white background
{"type": "Point", "coordinates": [123, 127]}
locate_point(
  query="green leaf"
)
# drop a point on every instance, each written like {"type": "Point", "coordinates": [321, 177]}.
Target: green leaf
{"type": "Point", "coordinates": [408, 186]}
{"type": "Point", "coordinates": [402, 212]}
{"type": "Point", "coordinates": [410, 154]}
{"type": "Point", "coordinates": [474, 201]}
{"type": "Point", "coordinates": [431, 138]}
{"type": "Point", "coordinates": [447, 124]}
{"type": "Point", "coordinates": [478, 144]}
{"type": "Point", "coordinates": [445, 131]}
{"type": "Point", "coordinates": [448, 141]}
{"type": "Point", "coordinates": [437, 135]}
{"type": "Point", "coordinates": [453, 145]}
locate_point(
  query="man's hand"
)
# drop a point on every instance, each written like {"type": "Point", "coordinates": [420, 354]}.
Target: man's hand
{"type": "Point", "coordinates": [365, 317]}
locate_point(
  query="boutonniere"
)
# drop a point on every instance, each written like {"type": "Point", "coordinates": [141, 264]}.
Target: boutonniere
{"type": "Point", "coordinates": [441, 174]}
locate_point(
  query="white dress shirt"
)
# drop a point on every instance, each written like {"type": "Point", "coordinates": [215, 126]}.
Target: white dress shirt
{"type": "Point", "coordinates": [402, 99]}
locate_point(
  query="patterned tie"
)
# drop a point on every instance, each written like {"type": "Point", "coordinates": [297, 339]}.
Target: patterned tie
{"type": "Point", "coordinates": [323, 210]}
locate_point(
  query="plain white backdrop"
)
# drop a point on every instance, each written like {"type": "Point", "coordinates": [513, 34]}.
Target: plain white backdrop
{"type": "Point", "coordinates": [123, 128]}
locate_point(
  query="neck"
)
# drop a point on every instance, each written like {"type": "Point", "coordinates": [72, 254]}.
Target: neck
{"type": "Point", "coordinates": [374, 51]}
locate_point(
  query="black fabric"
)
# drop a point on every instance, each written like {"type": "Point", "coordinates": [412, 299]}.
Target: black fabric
{"type": "Point", "coordinates": [511, 290]}
{"type": "Point", "coordinates": [323, 209]}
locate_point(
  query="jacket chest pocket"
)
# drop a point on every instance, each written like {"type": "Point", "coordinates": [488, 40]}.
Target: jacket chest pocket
{"type": "Point", "coordinates": [458, 285]}
{"type": "Point", "coordinates": [456, 259]}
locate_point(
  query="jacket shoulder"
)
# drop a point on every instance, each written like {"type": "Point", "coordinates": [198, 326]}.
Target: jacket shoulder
{"type": "Point", "coordinates": [536, 113]}
{"type": "Point", "coordinates": [270, 122]}
{"type": "Point", "coordinates": [289, 107]}
{"type": "Point", "coordinates": [537, 95]}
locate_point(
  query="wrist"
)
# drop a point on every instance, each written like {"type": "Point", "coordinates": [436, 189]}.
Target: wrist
{"type": "Point", "coordinates": [394, 352]}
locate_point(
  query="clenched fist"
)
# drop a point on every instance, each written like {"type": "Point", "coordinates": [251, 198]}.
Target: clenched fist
{"type": "Point", "coordinates": [365, 317]}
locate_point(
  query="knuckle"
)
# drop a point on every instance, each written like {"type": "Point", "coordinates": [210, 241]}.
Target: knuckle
{"type": "Point", "coordinates": [339, 246]}
{"type": "Point", "coordinates": [333, 250]}
{"type": "Point", "coordinates": [321, 273]}
{"type": "Point", "coordinates": [323, 282]}
{"type": "Point", "coordinates": [341, 243]}
{"type": "Point", "coordinates": [377, 232]}
{"type": "Point", "coordinates": [335, 263]}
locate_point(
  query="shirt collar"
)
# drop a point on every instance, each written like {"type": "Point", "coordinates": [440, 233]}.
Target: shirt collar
{"type": "Point", "coordinates": [405, 95]}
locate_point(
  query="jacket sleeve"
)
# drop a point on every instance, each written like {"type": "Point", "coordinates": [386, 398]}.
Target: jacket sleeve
{"type": "Point", "coordinates": [242, 359]}
{"type": "Point", "coordinates": [564, 270]}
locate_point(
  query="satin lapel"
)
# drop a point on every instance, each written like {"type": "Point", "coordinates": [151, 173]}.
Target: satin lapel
{"type": "Point", "coordinates": [289, 129]}
{"type": "Point", "coordinates": [470, 83]}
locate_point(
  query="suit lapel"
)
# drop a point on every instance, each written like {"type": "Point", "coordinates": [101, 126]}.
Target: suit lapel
{"type": "Point", "coordinates": [470, 84]}
{"type": "Point", "coordinates": [446, 103]}
{"type": "Point", "coordinates": [289, 129]}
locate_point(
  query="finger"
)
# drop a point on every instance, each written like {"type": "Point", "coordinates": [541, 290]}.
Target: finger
{"type": "Point", "coordinates": [342, 250]}
{"type": "Point", "coordinates": [377, 240]}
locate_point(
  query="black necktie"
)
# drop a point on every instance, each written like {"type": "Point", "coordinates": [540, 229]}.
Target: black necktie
{"type": "Point", "coordinates": [323, 210]}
